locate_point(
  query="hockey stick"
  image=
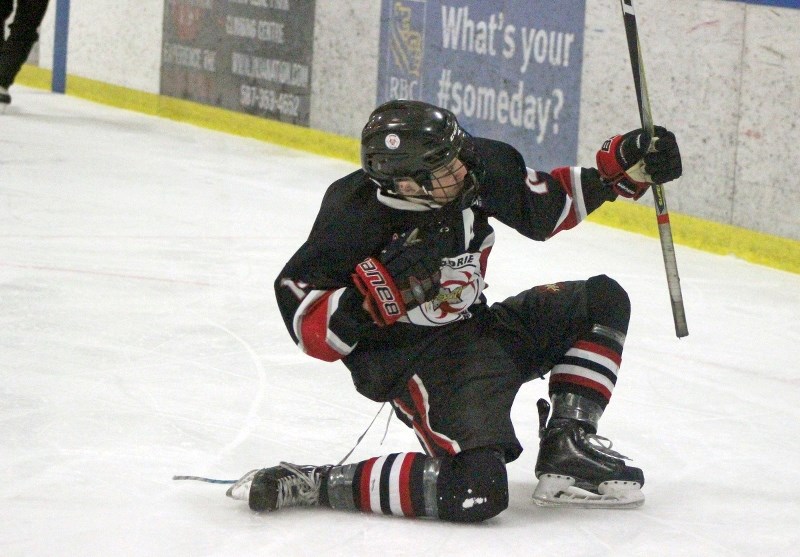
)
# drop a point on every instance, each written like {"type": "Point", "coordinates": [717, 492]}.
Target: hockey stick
{"type": "Point", "coordinates": [662, 214]}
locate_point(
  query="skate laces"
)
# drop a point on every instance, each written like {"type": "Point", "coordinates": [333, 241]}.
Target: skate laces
{"type": "Point", "coordinates": [298, 488]}
{"type": "Point", "coordinates": [603, 444]}
{"type": "Point", "coordinates": [361, 437]}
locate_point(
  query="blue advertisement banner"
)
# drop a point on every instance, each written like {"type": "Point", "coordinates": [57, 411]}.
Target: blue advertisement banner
{"type": "Point", "coordinates": [508, 70]}
{"type": "Point", "coordinates": [775, 3]}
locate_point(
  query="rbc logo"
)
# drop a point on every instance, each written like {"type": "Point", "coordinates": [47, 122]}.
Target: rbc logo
{"type": "Point", "coordinates": [400, 88]}
{"type": "Point", "coordinates": [405, 49]}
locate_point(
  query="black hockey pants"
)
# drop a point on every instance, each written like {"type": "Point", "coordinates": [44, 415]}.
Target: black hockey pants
{"type": "Point", "coordinates": [461, 383]}
{"type": "Point", "coordinates": [23, 34]}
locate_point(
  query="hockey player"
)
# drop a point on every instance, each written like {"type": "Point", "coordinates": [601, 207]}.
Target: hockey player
{"type": "Point", "coordinates": [390, 281]}
{"type": "Point", "coordinates": [23, 34]}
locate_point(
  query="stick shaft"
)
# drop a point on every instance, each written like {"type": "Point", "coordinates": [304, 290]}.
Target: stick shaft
{"type": "Point", "coordinates": [662, 213]}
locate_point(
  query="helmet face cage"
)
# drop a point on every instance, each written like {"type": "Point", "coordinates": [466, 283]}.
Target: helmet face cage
{"type": "Point", "coordinates": [442, 185]}
{"type": "Point", "coordinates": [407, 141]}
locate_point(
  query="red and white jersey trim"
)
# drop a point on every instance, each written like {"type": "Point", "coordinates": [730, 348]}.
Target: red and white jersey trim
{"type": "Point", "coordinates": [574, 210]}
{"type": "Point", "coordinates": [297, 323]}
{"type": "Point", "coordinates": [577, 193]}
{"type": "Point", "coordinates": [534, 184]}
{"type": "Point", "coordinates": [311, 325]}
{"type": "Point", "coordinates": [330, 337]}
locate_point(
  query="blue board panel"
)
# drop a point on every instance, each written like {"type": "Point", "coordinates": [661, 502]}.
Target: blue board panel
{"type": "Point", "coordinates": [508, 70]}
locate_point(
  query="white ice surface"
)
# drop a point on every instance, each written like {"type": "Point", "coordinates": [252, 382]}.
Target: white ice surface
{"type": "Point", "coordinates": [139, 338]}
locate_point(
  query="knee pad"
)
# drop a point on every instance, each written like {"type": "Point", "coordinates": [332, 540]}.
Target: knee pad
{"type": "Point", "coordinates": [607, 303]}
{"type": "Point", "coordinates": [472, 486]}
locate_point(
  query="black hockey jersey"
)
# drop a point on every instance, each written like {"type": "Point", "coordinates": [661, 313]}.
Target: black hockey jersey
{"type": "Point", "coordinates": [318, 300]}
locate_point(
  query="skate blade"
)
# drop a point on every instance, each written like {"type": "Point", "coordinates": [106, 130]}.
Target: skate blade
{"type": "Point", "coordinates": [555, 490]}
{"type": "Point", "coordinates": [241, 489]}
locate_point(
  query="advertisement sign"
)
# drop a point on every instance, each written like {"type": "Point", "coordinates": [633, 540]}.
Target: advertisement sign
{"type": "Point", "coordinates": [776, 3]}
{"type": "Point", "coordinates": [508, 70]}
{"type": "Point", "coordinates": [250, 56]}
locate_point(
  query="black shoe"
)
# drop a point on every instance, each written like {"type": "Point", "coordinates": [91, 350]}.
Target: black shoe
{"type": "Point", "coordinates": [5, 99]}
{"type": "Point", "coordinates": [575, 467]}
{"type": "Point", "coordinates": [285, 485]}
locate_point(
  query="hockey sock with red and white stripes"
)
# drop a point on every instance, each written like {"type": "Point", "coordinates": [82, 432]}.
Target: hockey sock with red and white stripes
{"type": "Point", "coordinates": [468, 487]}
{"type": "Point", "coordinates": [590, 366]}
{"type": "Point", "coordinates": [394, 484]}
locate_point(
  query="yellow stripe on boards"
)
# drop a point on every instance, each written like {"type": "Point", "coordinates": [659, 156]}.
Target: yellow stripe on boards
{"type": "Point", "coordinates": [219, 119]}
{"type": "Point", "coordinates": [723, 239]}
{"type": "Point", "coordinates": [34, 76]}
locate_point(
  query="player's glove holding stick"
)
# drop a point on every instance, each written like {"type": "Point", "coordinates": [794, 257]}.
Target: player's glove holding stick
{"type": "Point", "coordinates": [631, 163]}
{"type": "Point", "coordinates": [405, 275]}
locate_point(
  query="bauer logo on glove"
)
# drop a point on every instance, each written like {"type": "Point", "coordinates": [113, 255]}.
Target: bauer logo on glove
{"type": "Point", "coordinates": [405, 275]}
{"type": "Point", "coordinates": [631, 163]}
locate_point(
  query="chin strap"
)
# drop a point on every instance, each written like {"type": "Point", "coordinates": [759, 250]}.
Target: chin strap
{"type": "Point", "coordinates": [406, 203]}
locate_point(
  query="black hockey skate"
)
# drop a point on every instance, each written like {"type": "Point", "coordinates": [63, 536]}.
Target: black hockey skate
{"type": "Point", "coordinates": [5, 99]}
{"type": "Point", "coordinates": [577, 468]}
{"type": "Point", "coordinates": [285, 485]}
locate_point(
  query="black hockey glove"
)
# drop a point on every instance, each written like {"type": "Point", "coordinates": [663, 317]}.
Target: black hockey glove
{"type": "Point", "coordinates": [631, 163]}
{"type": "Point", "coordinates": [405, 275]}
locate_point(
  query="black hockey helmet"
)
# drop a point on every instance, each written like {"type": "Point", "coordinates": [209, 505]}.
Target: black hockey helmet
{"type": "Point", "coordinates": [410, 139]}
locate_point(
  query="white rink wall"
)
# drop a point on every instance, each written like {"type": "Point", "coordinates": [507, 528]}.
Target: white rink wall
{"type": "Point", "coordinates": [113, 42]}
{"type": "Point", "coordinates": [724, 75]}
